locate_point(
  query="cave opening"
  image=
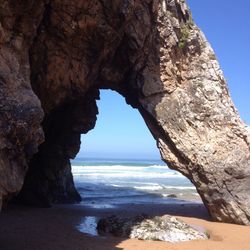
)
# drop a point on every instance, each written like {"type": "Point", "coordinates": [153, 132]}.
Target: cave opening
{"type": "Point", "coordinates": [102, 154]}
{"type": "Point", "coordinates": [119, 162]}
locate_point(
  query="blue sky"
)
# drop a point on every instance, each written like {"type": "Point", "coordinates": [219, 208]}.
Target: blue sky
{"type": "Point", "coordinates": [120, 132]}
{"type": "Point", "coordinates": [226, 24]}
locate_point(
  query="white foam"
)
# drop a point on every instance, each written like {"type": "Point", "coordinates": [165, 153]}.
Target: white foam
{"type": "Point", "coordinates": [153, 188]}
{"type": "Point", "coordinates": [118, 168]}
{"type": "Point", "coordinates": [159, 167]}
{"type": "Point", "coordinates": [115, 185]}
{"type": "Point", "coordinates": [196, 194]}
{"type": "Point", "coordinates": [160, 187]}
{"type": "Point", "coordinates": [179, 187]}
{"type": "Point", "coordinates": [123, 171]}
{"type": "Point", "coordinates": [110, 168]}
{"type": "Point", "coordinates": [128, 174]}
{"type": "Point", "coordinates": [164, 195]}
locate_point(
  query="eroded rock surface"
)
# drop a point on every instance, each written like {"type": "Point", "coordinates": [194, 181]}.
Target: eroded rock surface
{"type": "Point", "coordinates": [164, 228]}
{"type": "Point", "coordinates": [20, 110]}
{"type": "Point", "coordinates": [56, 55]}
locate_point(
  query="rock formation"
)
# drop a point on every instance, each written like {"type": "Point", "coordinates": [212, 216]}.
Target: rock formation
{"type": "Point", "coordinates": [56, 55]}
{"type": "Point", "coordinates": [163, 228]}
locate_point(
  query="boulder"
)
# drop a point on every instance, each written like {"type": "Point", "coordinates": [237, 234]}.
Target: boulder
{"type": "Point", "coordinates": [159, 228]}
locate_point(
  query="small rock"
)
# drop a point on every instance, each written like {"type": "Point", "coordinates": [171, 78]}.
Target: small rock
{"type": "Point", "coordinates": [172, 196]}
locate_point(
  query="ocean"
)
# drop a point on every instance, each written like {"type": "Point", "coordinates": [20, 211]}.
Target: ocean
{"type": "Point", "coordinates": [106, 183]}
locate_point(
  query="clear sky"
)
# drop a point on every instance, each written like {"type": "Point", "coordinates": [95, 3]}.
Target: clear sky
{"type": "Point", "coordinates": [226, 24]}
{"type": "Point", "coordinates": [120, 132]}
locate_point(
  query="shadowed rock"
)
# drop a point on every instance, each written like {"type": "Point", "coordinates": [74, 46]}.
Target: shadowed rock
{"type": "Point", "coordinates": [56, 55]}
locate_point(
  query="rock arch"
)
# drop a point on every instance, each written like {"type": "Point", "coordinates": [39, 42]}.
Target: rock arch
{"type": "Point", "coordinates": [56, 55]}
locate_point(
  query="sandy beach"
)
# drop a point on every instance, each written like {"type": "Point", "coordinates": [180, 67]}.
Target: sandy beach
{"type": "Point", "coordinates": [55, 228]}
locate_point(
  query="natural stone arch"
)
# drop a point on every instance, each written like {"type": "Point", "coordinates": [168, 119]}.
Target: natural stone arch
{"type": "Point", "coordinates": [155, 56]}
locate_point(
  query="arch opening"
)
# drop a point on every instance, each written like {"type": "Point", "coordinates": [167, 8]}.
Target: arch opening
{"type": "Point", "coordinates": [119, 162]}
{"type": "Point", "coordinates": [127, 151]}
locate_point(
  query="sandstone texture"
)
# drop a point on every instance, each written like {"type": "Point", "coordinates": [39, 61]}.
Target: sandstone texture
{"type": "Point", "coordinates": [164, 228]}
{"type": "Point", "coordinates": [56, 55]}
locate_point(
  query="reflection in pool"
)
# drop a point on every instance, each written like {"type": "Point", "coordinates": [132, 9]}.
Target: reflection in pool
{"type": "Point", "coordinates": [88, 225]}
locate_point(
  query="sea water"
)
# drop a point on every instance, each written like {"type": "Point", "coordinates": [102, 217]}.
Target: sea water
{"type": "Point", "coordinates": [107, 183]}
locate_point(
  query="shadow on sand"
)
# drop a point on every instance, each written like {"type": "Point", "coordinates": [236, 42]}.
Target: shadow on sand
{"type": "Point", "coordinates": [57, 228]}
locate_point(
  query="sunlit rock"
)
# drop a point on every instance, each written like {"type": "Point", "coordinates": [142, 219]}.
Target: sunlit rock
{"type": "Point", "coordinates": [165, 228]}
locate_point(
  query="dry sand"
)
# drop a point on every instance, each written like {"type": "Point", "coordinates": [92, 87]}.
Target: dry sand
{"type": "Point", "coordinates": [55, 229]}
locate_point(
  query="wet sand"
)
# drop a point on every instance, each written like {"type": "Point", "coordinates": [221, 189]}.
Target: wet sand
{"type": "Point", "coordinates": [23, 228]}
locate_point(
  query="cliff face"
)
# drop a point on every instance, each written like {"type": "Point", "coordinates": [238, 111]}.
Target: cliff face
{"type": "Point", "coordinates": [20, 110]}
{"type": "Point", "coordinates": [56, 55]}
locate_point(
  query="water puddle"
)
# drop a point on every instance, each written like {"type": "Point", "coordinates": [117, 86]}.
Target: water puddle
{"type": "Point", "coordinates": [88, 225]}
